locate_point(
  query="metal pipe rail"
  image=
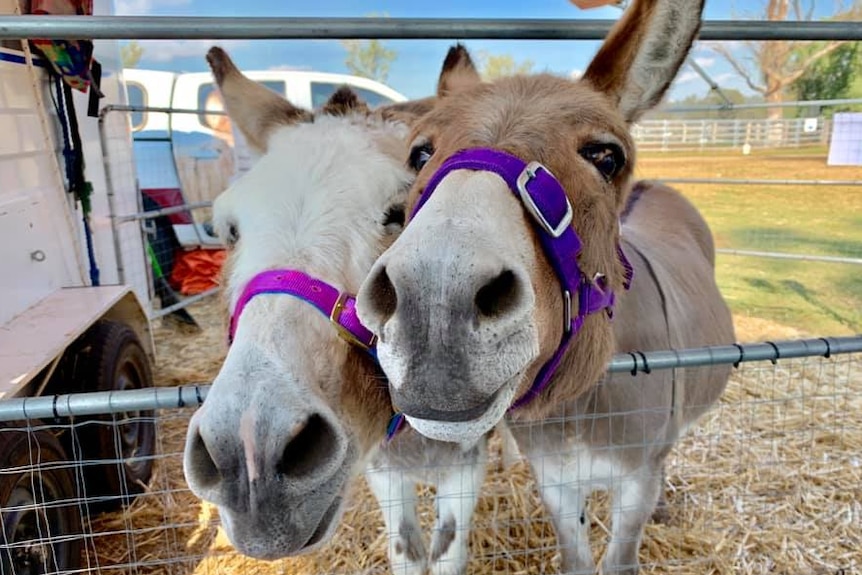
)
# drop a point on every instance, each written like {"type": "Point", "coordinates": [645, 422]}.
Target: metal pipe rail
{"type": "Point", "coordinates": [163, 211]}
{"type": "Point", "coordinates": [224, 28]}
{"type": "Point", "coordinates": [790, 256]}
{"type": "Point", "coordinates": [757, 182]}
{"type": "Point", "coordinates": [119, 402]}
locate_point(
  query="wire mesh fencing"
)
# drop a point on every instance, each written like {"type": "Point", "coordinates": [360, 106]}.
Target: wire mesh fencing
{"type": "Point", "coordinates": [767, 481]}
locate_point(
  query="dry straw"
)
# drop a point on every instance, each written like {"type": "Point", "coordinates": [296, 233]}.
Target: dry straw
{"type": "Point", "coordinates": [770, 482]}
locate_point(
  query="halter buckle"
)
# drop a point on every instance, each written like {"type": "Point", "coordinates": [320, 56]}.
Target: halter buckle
{"type": "Point", "coordinates": [567, 310]}
{"type": "Point", "coordinates": [343, 332]}
{"type": "Point", "coordinates": [528, 174]}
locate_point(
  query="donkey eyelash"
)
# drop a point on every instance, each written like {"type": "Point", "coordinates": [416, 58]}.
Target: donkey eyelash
{"type": "Point", "coordinates": [607, 157]}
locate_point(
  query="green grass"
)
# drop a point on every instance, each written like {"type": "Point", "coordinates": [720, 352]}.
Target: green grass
{"type": "Point", "coordinates": [814, 298]}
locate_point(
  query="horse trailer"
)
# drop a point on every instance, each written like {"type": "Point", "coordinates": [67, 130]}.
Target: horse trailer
{"type": "Point", "coordinates": [68, 320]}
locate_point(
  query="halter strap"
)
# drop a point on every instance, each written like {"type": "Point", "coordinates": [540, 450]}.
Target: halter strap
{"type": "Point", "coordinates": [338, 306]}
{"type": "Point", "coordinates": [545, 200]}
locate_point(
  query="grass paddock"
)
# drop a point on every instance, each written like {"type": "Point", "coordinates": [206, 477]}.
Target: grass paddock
{"type": "Point", "coordinates": [805, 297]}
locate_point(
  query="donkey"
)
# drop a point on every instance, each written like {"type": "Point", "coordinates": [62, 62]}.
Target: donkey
{"type": "Point", "coordinates": [299, 406]}
{"type": "Point", "coordinates": [505, 293]}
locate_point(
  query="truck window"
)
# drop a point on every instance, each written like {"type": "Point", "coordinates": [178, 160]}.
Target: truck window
{"type": "Point", "coordinates": [321, 91]}
{"type": "Point", "coordinates": [137, 98]}
{"type": "Point", "coordinates": [209, 99]}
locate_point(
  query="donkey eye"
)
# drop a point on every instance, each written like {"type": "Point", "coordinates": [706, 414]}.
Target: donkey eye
{"type": "Point", "coordinates": [420, 155]}
{"type": "Point", "coordinates": [232, 235]}
{"type": "Point", "coordinates": [395, 216]}
{"type": "Point", "coordinates": [607, 158]}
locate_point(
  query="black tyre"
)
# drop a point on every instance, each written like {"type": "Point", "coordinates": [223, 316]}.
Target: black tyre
{"type": "Point", "coordinates": [109, 357]}
{"type": "Point", "coordinates": [41, 521]}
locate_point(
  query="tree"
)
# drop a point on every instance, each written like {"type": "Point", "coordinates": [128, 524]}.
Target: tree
{"type": "Point", "coordinates": [831, 77]}
{"type": "Point", "coordinates": [368, 58]}
{"type": "Point", "coordinates": [776, 68]}
{"type": "Point", "coordinates": [493, 66]}
{"type": "Point", "coordinates": [130, 54]}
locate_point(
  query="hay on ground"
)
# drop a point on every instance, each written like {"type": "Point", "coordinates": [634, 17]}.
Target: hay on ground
{"type": "Point", "coordinates": [769, 482]}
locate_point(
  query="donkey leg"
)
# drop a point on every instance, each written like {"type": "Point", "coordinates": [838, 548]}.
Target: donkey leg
{"type": "Point", "coordinates": [633, 501]}
{"type": "Point", "coordinates": [566, 501]}
{"type": "Point", "coordinates": [396, 495]}
{"type": "Point", "coordinates": [661, 513]}
{"type": "Point", "coordinates": [457, 495]}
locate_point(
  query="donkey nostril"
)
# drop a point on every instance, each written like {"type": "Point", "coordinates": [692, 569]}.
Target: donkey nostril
{"type": "Point", "coordinates": [201, 465]}
{"type": "Point", "coordinates": [380, 295]}
{"type": "Point", "coordinates": [309, 449]}
{"type": "Point", "coordinates": [498, 296]}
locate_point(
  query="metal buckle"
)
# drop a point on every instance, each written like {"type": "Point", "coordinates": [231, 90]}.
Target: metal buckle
{"type": "Point", "coordinates": [524, 178]}
{"type": "Point", "coordinates": [567, 310]}
{"type": "Point", "coordinates": [343, 332]}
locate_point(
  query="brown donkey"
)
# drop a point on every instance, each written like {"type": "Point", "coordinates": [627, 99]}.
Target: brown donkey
{"type": "Point", "coordinates": [505, 293]}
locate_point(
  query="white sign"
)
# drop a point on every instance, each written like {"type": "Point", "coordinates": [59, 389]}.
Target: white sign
{"type": "Point", "coordinates": [810, 125]}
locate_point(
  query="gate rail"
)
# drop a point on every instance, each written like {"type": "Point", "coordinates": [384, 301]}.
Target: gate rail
{"type": "Point", "coordinates": [98, 403]}
{"type": "Point", "coordinates": [209, 28]}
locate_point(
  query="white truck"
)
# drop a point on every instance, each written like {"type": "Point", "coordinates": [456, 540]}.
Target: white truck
{"type": "Point", "coordinates": [60, 333]}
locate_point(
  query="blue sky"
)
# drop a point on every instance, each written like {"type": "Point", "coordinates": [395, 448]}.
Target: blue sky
{"type": "Point", "coordinates": [414, 73]}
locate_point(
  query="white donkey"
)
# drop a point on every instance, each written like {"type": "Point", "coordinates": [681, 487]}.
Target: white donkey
{"type": "Point", "coordinates": [299, 407]}
{"type": "Point", "coordinates": [505, 292]}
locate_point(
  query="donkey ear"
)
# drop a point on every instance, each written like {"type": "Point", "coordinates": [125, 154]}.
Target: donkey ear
{"type": "Point", "coordinates": [643, 52]}
{"type": "Point", "coordinates": [255, 109]}
{"type": "Point", "coordinates": [458, 72]}
{"type": "Point", "coordinates": [407, 112]}
{"type": "Point", "coordinates": [342, 102]}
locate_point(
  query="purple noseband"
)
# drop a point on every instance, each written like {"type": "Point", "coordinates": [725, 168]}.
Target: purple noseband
{"type": "Point", "coordinates": [545, 200]}
{"type": "Point", "coordinates": [338, 306]}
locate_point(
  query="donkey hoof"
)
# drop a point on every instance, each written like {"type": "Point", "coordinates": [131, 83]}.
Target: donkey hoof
{"type": "Point", "coordinates": [661, 514]}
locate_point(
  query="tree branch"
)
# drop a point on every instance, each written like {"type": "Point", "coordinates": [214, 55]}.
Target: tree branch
{"type": "Point", "coordinates": [739, 68]}
{"type": "Point", "coordinates": [808, 62]}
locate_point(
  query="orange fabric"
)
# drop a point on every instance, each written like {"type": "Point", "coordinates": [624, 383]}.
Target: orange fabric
{"type": "Point", "coordinates": [196, 271]}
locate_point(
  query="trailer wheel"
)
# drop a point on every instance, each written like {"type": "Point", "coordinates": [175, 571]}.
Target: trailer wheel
{"type": "Point", "coordinates": [111, 358]}
{"type": "Point", "coordinates": [40, 515]}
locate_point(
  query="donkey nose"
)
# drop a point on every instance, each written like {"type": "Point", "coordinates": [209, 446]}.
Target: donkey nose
{"type": "Point", "coordinates": [222, 468]}
{"type": "Point", "coordinates": [484, 293]}
{"type": "Point", "coordinates": [377, 299]}
{"type": "Point", "coordinates": [498, 296]}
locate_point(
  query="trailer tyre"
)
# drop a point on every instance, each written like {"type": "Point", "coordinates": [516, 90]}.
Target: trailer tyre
{"type": "Point", "coordinates": [111, 358]}
{"type": "Point", "coordinates": [37, 505]}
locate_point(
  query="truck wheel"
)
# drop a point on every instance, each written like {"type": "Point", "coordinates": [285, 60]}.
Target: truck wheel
{"type": "Point", "coordinates": [40, 515]}
{"type": "Point", "coordinates": [110, 358]}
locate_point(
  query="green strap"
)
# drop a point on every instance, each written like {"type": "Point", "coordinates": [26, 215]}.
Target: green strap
{"type": "Point", "coordinates": [157, 269]}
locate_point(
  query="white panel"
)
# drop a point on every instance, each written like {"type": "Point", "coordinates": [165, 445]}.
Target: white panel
{"type": "Point", "coordinates": [845, 148]}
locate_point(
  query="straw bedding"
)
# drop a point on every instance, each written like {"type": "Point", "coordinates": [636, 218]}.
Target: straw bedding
{"type": "Point", "coordinates": [769, 482]}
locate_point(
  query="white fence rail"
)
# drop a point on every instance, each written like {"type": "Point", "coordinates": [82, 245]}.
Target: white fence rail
{"type": "Point", "coordinates": [693, 134]}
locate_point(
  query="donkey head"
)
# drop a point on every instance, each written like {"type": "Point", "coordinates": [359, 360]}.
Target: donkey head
{"type": "Point", "coordinates": [506, 259]}
{"type": "Point", "coordinates": [295, 406]}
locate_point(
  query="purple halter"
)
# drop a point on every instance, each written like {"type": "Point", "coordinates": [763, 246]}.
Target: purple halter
{"type": "Point", "coordinates": [338, 306]}
{"type": "Point", "coordinates": [545, 200]}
